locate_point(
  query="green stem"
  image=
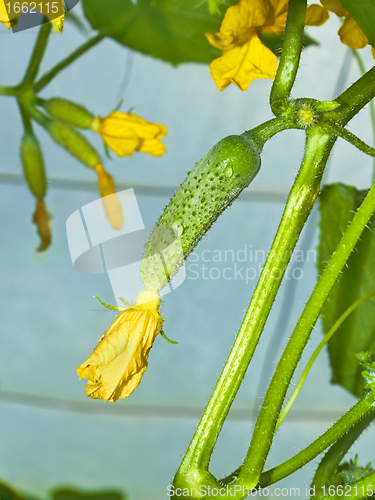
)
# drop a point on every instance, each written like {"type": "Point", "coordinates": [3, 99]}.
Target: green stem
{"type": "Point", "coordinates": [267, 419]}
{"type": "Point", "coordinates": [193, 471]}
{"type": "Point", "coordinates": [331, 460]}
{"type": "Point", "coordinates": [299, 205]}
{"type": "Point", "coordinates": [332, 128]}
{"type": "Point", "coordinates": [317, 351]}
{"type": "Point", "coordinates": [354, 98]}
{"type": "Point", "coordinates": [372, 105]}
{"type": "Point", "coordinates": [13, 91]}
{"type": "Point", "coordinates": [38, 116]}
{"type": "Point", "coordinates": [45, 79]}
{"type": "Point", "coordinates": [25, 119]}
{"type": "Point", "coordinates": [305, 191]}
{"type": "Point", "coordinates": [261, 134]}
{"type": "Point", "coordinates": [37, 55]}
{"type": "Point", "coordinates": [290, 56]}
{"type": "Point", "coordinates": [359, 411]}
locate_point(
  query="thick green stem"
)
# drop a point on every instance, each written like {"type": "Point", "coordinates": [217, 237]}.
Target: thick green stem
{"type": "Point", "coordinates": [372, 105]}
{"type": "Point", "coordinates": [355, 98]}
{"type": "Point", "coordinates": [37, 55]}
{"type": "Point", "coordinates": [359, 411]}
{"type": "Point", "coordinates": [25, 119]}
{"type": "Point", "coordinates": [299, 205]}
{"type": "Point", "coordinates": [318, 144]}
{"type": "Point", "coordinates": [352, 100]}
{"type": "Point", "coordinates": [261, 134]}
{"type": "Point", "coordinates": [13, 91]}
{"type": "Point", "coordinates": [266, 423]}
{"type": "Point", "coordinates": [45, 79]}
{"type": "Point", "coordinates": [331, 460]}
{"type": "Point", "coordinates": [290, 56]}
{"type": "Point", "coordinates": [193, 471]}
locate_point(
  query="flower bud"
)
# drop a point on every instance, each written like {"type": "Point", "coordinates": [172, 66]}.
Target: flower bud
{"type": "Point", "coordinates": [125, 133]}
{"type": "Point", "coordinates": [33, 165]}
{"type": "Point", "coordinates": [74, 142]}
{"type": "Point", "coordinates": [110, 200]}
{"type": "Point", "coordinates": [69, 112]}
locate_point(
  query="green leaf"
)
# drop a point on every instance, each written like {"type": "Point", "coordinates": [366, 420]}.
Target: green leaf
{"type": "Point", "coordinates": [75, 494]}
{"type": "Point", "coordinates": [172, 30]}
{"type": "Point", "coordinates": [363, 12]}
{"type": "Point", "coordinates": [8, 493]}
{"type": "Point", "coordinates": [338, 203]}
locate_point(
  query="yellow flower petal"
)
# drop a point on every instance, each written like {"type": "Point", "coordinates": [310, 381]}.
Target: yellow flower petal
{"type": "Point", "coordinates": [351, 34]}
{"type": "Point", "coordinates": [334, 6]}
{"type": "Point", "coordinates": [125, 133]}
{"type": "Point", "coordinates": [117, 364]}
{"type": "Point", "coordinates": [41, 219]}
{"type": "Point", "coordinates": [241, 65]}
{"type": "Point", "coordinates": [222, 41]}
{"type": "Point", "coordinates": [316, 15]}
{"type": "Point", "coordinates": [373, 52]}
{"type": "Point", "coordinates": [9, 20]}
{"type": "Point", "coordinates": [110, 200]}
{"type": "Point", "coordinates": [276, 19]}
{"type": "Point", "coordinates": [246, 14]}
{"type": "Point", "coordinates": [239, 23]}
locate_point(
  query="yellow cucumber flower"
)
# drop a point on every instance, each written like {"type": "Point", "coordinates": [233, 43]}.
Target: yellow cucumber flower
{"type": "Point", "coordinates": [41, 219]}
{"type": "Point", "coordinates": [110, 200]}
{"type": "Point", "coordinates": [350, 33]}
{"type": "Point", "coordinates": [125, 133]}
{"type": "Point", "coordinates": [244, 57]}
{"type": "Point", "coordinates": [116, 366]}
{"type": "Point", "coordinates": [9, 19]}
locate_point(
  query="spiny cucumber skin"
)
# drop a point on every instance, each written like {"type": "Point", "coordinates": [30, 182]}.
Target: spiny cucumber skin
{"type": "Point", "coordinates": [209, 188]}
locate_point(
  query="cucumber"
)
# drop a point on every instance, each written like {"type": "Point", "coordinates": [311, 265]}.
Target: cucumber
{"type": "Point", "coordinates": [68, 112]}
{"type": "Point", "coordinates": [33, 165]}
{"type": "Point", "coordinates": [209, 188]}
{"type": "Point", "coordinates": [74, 142]}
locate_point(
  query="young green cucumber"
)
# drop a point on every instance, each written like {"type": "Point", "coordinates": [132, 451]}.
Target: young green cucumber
{"type": "Point", "coordinates": [209, 188]}
{"type": "Point", "coordinates": [33, 165]}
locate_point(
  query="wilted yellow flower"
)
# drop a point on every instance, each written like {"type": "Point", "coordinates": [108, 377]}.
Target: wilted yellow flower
{"type": "Point", "coordinates": [244, 56]}
{"type": "Point", "coordinates": [110, 200]}
{"type": "Point", "coordinates": [41, 218]}
{"type": "Point", "coordinates": [9, 19]}
{"type": "Point", "coordinates": [117, 364]}
{"type": "Point", "coordinates": [350, 33]}
{"type": "Point", "coordinates": [125, 133]}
